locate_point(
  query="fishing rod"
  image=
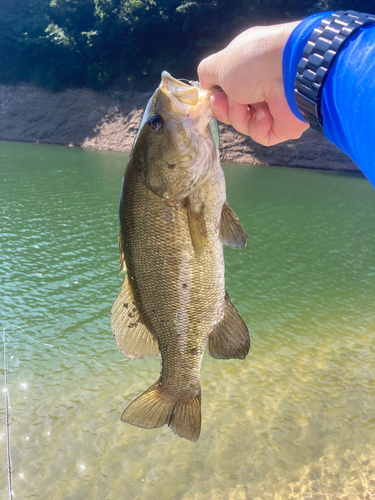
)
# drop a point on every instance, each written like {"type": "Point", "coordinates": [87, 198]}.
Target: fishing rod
{"type": "Point", "coordinates": [7, 421]}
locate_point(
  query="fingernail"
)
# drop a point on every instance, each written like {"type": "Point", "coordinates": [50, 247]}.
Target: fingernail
{"type": "Point", "coordinates": [230, 102]}
{"type": "Point", "coordinates": [216, 110]}
{"type": "Point", "coordinates": [259, 115]}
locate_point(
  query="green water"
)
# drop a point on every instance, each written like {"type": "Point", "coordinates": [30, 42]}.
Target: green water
{"type": "Point", "coordinates": [295, 420]}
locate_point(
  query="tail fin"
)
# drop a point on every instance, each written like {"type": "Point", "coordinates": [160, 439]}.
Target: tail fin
{"type": "Point", "coordinates": [155, 408]}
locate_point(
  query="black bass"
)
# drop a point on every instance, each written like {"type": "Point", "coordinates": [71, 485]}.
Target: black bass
{"type": "Point", "coordinates": [174, 221]}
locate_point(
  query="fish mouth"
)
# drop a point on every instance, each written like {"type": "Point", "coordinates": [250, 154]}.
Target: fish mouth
{"type": "Point", "coordinates": [188, 100]}
{"type": "Point", "coordinates": [190, 93]}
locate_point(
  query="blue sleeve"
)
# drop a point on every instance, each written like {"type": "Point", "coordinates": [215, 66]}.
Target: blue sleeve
{"type": "Point", "coordinates": [348, 96]}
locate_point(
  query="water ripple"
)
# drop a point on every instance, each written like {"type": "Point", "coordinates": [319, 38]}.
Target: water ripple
{"type": "Point", "coordinates": [295, 420]}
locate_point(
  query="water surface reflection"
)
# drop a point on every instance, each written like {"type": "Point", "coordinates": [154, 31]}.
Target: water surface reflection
{"type": "Point", "coordinates": [295, 420]}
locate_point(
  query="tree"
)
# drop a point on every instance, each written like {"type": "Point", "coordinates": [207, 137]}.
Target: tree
{"type": "Point", "coordinates": [98, 43]}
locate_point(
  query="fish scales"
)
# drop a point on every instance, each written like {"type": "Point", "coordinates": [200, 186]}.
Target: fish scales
{"type": "Point", "coordinates": [181, 298]}
{"type": "Point", "coordinates": [173, 249]}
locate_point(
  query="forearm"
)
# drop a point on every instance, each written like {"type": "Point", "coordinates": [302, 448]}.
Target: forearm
{"type": "Point", "coordinates": [348, 95]}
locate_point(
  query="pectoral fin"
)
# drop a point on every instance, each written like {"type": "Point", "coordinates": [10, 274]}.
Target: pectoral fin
{"type": "Point", "coordinates": [230, 338]}
{"type": "Point", "coordinates": [197, 226]}
{"type": "Point", "coordinates": [132, 336]}
{"type": "Point", "coordinates": [122, 263]}
{"type": "Point", "coordinates": [232, 234]}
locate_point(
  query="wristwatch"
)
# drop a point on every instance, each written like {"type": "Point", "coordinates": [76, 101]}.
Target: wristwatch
{"type": "Point", "coordinates": [318, 57]}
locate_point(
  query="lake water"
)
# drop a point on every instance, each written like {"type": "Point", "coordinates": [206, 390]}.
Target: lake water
{"type": "Point", "coordinates": [295, 420]}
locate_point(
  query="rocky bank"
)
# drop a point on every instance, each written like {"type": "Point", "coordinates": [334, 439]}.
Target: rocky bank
{"type": "Point", "coordinates": [110, 120]}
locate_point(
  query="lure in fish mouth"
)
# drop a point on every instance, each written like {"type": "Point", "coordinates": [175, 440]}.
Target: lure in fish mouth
{"type": "Point", "coordinates": [174, 221]}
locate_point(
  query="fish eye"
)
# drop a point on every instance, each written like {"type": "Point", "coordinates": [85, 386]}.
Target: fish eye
{"type": "Point", "coordinates": [155, 123]}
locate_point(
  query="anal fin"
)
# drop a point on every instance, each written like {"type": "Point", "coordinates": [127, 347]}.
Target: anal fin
{"type": "Point", "coordinates": [231, 234]}
{"type": "Point", "coordinates": [230, 338]}
{"type": "Point", "coordinates": [132, 336]}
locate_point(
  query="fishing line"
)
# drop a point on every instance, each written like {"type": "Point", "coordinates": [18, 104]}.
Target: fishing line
{"type": "Point", "coordinates": [7, 399]}
{"type": "Point", "coordinates": [7, 421]}
{"type": "Point", "coordinates": [190, 82]}
{"type": "Point", "coordinates": [58, 347]}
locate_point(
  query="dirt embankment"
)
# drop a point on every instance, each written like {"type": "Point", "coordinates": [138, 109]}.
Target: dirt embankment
{"type": "Point", "coordinates": [110, 120]}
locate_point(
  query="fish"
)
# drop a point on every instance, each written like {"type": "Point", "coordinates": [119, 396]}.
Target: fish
{"type": "Point", "coordinates": [174, 221]}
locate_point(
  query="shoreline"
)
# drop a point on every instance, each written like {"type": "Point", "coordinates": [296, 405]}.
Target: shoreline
{"type": "Point", "coordinates": [110, 120]}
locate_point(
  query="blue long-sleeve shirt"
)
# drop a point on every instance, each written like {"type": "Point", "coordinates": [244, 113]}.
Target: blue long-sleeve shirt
{"type": "Point", "coordinates": [348, 95]}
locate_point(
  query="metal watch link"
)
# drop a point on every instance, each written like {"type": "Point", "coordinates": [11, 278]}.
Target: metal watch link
{"type": "Point", "coordinates": [318, 57]}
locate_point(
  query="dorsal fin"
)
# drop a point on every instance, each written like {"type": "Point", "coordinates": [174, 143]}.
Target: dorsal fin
{"type": "Point", "coordinates": [132, 336]}
{"type": "Point", "coordinates": [232, 234]}
{"type": "Point", "coordinates": [230, 338]}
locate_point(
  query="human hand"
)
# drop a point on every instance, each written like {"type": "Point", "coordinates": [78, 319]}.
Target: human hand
{"type": "Point", "coordinates": [249, 70]}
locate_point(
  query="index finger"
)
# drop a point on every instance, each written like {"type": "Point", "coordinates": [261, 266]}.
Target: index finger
{"type": "Point", "coordinates": [208, 72]}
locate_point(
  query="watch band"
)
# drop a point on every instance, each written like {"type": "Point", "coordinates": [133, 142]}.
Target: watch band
{"type": "Point", "coordinates": [318, 57]}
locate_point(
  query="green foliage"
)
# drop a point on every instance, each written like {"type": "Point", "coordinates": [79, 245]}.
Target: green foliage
{"type": "Point", "coordinates": [98, 43]}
